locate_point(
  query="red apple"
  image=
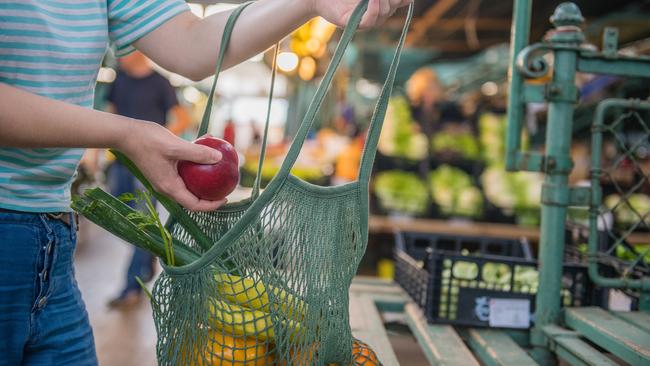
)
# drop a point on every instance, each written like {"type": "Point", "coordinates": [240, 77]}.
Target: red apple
{"type": "Point", "coordinates": [212, 182]}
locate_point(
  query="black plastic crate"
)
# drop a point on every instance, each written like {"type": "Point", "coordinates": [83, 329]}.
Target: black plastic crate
{"type": "Point", "coordinates": [460, 289]}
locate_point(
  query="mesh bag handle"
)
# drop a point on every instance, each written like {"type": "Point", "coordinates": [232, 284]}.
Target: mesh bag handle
{"type": "Point", "coordinates": [205, 120]}
{"type": "Point", "coordinates": [317, 101]}
{"type": "Point", "coordinates": [225, 42]}
{"type": "Point", "coordinates": [377, 121]}
{"type": "Point", "coordinates": [254, 211]}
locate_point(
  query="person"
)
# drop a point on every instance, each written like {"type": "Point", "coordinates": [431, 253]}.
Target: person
{"type": "Point", "coordinates": [229, 131]}
{"type": "Point", "coordinates": [141, 93]}
{"type": "Point", "coordinates": [50, 53]}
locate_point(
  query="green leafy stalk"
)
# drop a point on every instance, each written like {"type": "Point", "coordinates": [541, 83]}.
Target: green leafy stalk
{"type": "Point", "coordinates": [175, 210]}
{"type": "Point", "coordinates": [144, 287]}
{"type": "Point", "coordinates": [166, 236]}
{"type": "Point", "coordinates": [127, 223]}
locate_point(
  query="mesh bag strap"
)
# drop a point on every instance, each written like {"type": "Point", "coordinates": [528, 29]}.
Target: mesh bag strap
{"type": "Point", "coordinates": [377, 121]}
{"type": "Point", "coordinates": [225, 41]}
{"type": "Point", "coordinates": [380, 109]}
{"type": "Point", "coordinates": [205, 120]}
{"type": "Point", "coordinates": [317, 101]}
{"type": "Point", "coordinates": [258, 177]}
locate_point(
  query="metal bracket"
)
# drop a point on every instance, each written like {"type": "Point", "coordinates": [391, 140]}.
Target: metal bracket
{"type": "Point", "coordinates": [561, 92]}
{"type": "Point", "coordinates": [610, 42]}
{"type": "Point", "coordinates": [530, 161]}
{"type": "Point", "coordinates": [558, 164]}
{"type": "Point", "coordinates": [575, 196]}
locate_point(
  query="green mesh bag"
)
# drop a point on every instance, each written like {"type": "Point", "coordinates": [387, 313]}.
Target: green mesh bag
{"type": "Point", "coordinates": [264, 281]}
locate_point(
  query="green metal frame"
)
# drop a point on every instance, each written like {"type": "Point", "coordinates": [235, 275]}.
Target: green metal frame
{"type": "Point", "coordinates": [599, 128]}
{"type": "Point", "coordinates": [565, 42]}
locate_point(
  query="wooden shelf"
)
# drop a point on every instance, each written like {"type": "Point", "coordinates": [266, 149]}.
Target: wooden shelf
{"type": "Point", "coordinates": [382, 224]}
{"type": "Point", "coordinates": [387, 225]}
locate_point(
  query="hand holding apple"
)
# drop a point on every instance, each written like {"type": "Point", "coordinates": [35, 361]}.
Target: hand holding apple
{"type": "Point", "coordinates": [212, 182]}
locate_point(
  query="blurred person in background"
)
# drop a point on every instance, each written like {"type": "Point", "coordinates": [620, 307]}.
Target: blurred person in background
{"type": "Point", "coordinates": [141, 93]}
{"type": "Point", "coordinates": [425, 94]}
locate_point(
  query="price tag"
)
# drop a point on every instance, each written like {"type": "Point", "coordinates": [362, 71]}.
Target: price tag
{"type": "Point", "coordinates": [509, 313]}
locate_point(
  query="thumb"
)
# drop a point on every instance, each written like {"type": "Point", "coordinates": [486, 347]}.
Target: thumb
{"type": "Point", "coordinates": [200, 154]}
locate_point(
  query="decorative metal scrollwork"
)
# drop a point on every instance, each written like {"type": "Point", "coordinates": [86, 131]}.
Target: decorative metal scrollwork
{"type": "Point", "coordinates": [531, 62]}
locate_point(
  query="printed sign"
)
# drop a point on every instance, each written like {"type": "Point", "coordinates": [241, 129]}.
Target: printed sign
{"type": "Point", "coordinates": [510, 313]}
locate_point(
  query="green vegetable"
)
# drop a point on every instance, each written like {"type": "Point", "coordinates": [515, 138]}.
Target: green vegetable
{"type": "Point", "coordinates": [521, 190]}
{"type": "Point", "coordinates": [463, 144]}
{"type": "Point", "coordinates": [401, 191]}
{"type": "Point", "coordinates": [400, 136]}
{"type": "Point", "coordinates": [492, 136]}
{"type": "Point", "coordinates": [150, 220]}
{"type": "Point", "coordinates": [111, 213]}
{"type": "Point", "coordinates": [630, 211]}
{"type": "Point", "coordinates": [465, 270]}
{"type": "Point", "coordinates": [453, 191]}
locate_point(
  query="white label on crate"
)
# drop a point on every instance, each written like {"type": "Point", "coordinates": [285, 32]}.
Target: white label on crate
{"type": "Point", "coordinates": [510, 313]}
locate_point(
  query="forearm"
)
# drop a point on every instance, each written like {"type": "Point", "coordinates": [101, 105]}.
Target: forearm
{"type": "Point", "coordinates": [29, 120]}
{"type": "Point", "coordinates": [261, 25]}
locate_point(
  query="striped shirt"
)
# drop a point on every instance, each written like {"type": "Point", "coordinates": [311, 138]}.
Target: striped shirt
{"type": "Point", "coordinates": [54, 48]}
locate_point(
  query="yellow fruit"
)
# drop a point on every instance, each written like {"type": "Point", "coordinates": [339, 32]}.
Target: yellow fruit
{"type": "Point", "coordinates": [363, 355]}
{"type": "Point", "coordinates": [224, 350]}
{"type": "Point", "coordinates": [252, 294]}
{"type": "Point", "coordinates": [241, 321]}
{"type": "Point", "coordinates": [243, 291]}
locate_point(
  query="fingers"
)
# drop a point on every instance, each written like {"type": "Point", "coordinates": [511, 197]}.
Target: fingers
{"type": "Point", "coordinates": [380, 10]}
{"type": "Point", "coordinates": [372, 14]}
{"type": "Point", "coordinates": [179, 193]}
{"type": "Point", "coordinates": [384, 9]}
{"type": "Point", "coordinates": [196, 153]}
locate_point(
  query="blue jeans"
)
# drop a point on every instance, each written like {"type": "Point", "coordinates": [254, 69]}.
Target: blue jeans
{"type": "Point", "coordinates": [43, 320]}
{"type": "Point", "coordinates": [121, 181]}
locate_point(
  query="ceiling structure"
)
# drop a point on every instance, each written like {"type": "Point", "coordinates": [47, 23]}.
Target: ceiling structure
{"type": "Point", "coordinates": [458, 28]}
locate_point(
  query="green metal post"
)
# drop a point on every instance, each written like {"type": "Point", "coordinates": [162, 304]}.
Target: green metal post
{"type": "Point", "coordinates": [562, 95]}
{"type": "Point", "coordinates": [519, 34]}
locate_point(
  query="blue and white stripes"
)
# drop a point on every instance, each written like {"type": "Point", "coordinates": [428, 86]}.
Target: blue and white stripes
{"type": "Point", "coordinates": [54, 48]}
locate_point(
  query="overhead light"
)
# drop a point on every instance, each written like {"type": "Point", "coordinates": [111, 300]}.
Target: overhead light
{"type": "Point", "coordinates": [287, 61]}
{"type": "Point", "coordinates": [106, 75]}
{"type": "Point", "coordinates": [368, 89]}
{"type": "Point", "coordinates": [307, 68]}
{"type": "Point", "coordinates": [489, 88]}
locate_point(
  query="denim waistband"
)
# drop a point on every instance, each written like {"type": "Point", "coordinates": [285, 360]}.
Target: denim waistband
{"type": "Point", "coordinates": [9, 216]}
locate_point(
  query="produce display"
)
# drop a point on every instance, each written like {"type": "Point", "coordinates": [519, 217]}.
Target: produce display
{"type": "Point", "coordinates": [518, 192]}
{"type": "Point", "coordinates": [628, 212]}
{"type": "Point", "coordinates": [461, 143]}
{"type": "Point", "coordinates": [212, 182]}
{"type": "Point", "coordinates": [400, 136]}
{"type": "Point", "coordinates": [400, 191]}
{"type": "Point", "coordinates": [492, 135]}
{"type": "Point", "coordinates": [453, 191]}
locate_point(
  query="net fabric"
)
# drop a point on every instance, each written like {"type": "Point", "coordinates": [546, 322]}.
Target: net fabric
{"type": "Point", "coordinates": [272, 289]}
{"type": "Point", "coordinates": [620, 166]}
{"type": "Point", "coordinates": [287, 286]}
